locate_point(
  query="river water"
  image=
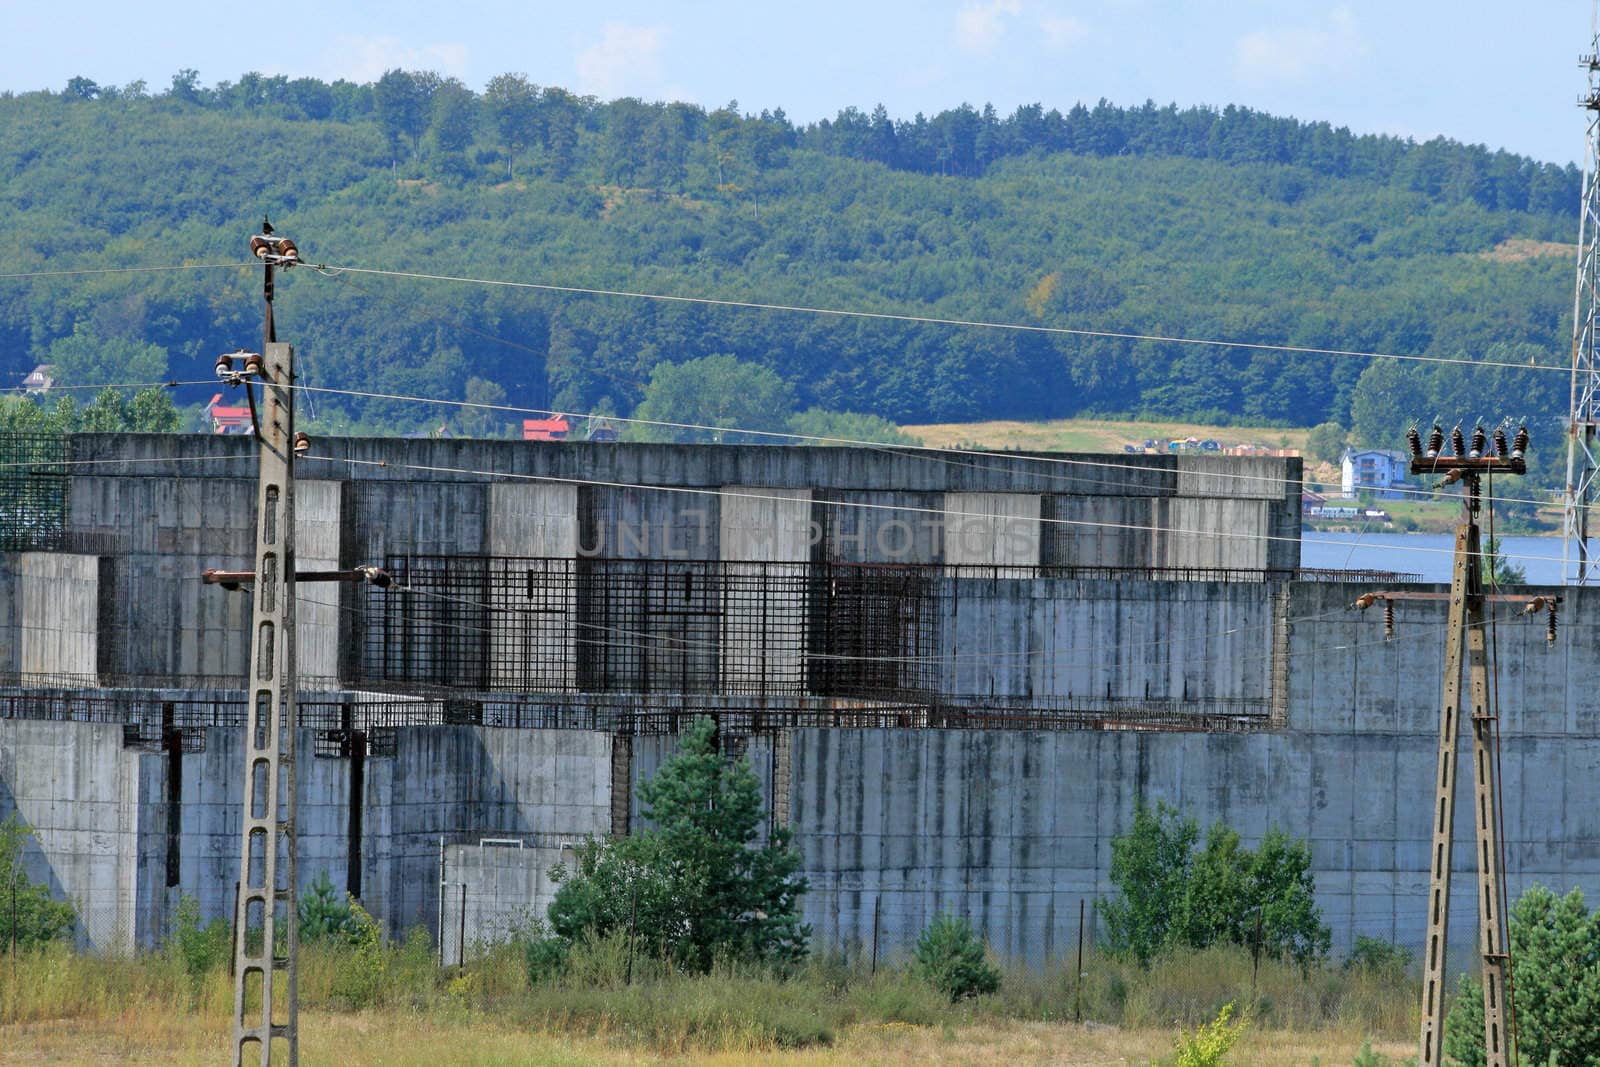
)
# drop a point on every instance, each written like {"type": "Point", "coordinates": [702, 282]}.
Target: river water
{"type": "Point", "coordinates": [1429, 555]}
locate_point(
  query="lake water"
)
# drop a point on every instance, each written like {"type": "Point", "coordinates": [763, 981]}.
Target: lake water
{"type": "Point", "coordinates": [1429, 555]}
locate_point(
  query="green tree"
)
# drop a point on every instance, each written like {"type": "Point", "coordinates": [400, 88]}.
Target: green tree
{"type": "Point", "coordinates": [152, 411]}
{"type": "Point", "coordinates": [1555, 945]}
{"type": "Point", "coordinates": [454, 109]}
{"type": "Point", "coordinates": [695, 886]}
{"type": "Point", "coordinates": [483, 421]}
{"type": "Point", "coordinates": [1497, 569]}
{"type": "Point", "coordinates": [513, 103]}
{"type": "Point", "coordinates": [848, 426]}
{"type": "Point", "coordinates": [1326, 442]}
{"type": "Point", "coordinates": [1226, 894]}
{"type": "Point", "coordinates": [1150, 868]}
{"type": "Point", "coordinates": [949, 957]}
{"type": "Point", "coordinates": [36, 918]}
{"type": "Point", "coordinates": [326, 915]}
{"type": "Point", "coordinates": [402, 107]}
{"type": "Point", "coordinates": [719, 395]}
{"type": "Point", "coordinates": [85, 358]}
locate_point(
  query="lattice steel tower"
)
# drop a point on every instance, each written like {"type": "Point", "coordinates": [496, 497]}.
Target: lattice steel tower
{"type": "Point", "coordinates": [1577, 564]}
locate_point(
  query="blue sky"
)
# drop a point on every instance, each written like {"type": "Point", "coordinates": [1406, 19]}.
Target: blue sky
{"type": "Point", "coordinates": [1472, 70]}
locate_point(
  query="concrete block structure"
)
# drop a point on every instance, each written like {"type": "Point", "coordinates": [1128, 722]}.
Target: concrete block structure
{"type": "Point", "coordinates": [955, 676]}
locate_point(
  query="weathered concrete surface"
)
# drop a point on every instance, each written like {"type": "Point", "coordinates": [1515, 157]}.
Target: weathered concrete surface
{"type": "Point", "coordinates": [58, 598]}
{"type": "Point", "coordinates": [82, 795]}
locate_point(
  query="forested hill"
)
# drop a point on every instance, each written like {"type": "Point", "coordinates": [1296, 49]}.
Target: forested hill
{"type": "Point", "coordinates": [1223, 224]}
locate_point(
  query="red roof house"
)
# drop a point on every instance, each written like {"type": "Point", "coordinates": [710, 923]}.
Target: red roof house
{"type": "Point", "coordinates": [545, 429]}
{"type": "Point", "coordinates": [227, 419]}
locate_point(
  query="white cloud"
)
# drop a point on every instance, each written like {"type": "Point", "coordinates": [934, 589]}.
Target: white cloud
{"type": "Point", "coordinates": [364, 59]}
{"type": "Point", "coordinates": [625, 61]}
{"type": "Point", "coordinates": [1062, 31]}
{"type": "Point", "coordinates": [981, 23]}
{"type": "Point", "coordinates": [1299, 53]}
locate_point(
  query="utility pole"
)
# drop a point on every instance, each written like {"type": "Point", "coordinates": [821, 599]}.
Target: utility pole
{"type": "Point", "coordinates": [1576, 566]}
{"type": "Point", "coordinates": [265, 992]}
{"type": "Point", "coordinates": [1466, 633]}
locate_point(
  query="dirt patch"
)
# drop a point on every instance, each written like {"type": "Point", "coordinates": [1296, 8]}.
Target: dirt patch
{"type": "Point", "coordinates": [1516, 249]}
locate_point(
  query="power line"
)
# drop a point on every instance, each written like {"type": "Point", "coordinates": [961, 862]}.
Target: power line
{"type": "Point", "coordinates": [865, 505]}
{"type": "Point", "coordinates": [124, 270]}
{"type": "Point", "coordinates": [938, 454]}
{"type": "Point", "coordinates": [930, 320]}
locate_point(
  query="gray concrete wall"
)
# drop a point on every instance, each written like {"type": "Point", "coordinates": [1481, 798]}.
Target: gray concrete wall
{"type": "Point", "coordinates": [317, 604]}
{"type": "Point", "coordinates": [83, 796]}
{"type": "Point", "coordinates": [58, 597]}
{"type": "Point", "coordinates": [1013, 829]}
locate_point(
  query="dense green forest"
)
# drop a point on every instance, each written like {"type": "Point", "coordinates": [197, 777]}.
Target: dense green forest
{"type": "Point", "coordinates": [1158, 221]}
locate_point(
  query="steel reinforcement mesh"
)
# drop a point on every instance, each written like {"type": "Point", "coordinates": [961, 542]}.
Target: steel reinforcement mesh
{"type": "Point", "coordinates": [525, 625]}
{"type": "Point", "coordinates": [33, 491]}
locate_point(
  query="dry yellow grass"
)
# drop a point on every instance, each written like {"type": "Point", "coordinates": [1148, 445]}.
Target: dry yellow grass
{"type": "Point", "coordinates": [1096, 435]}
{"type": "Point", "coordinates": [406, 1040]}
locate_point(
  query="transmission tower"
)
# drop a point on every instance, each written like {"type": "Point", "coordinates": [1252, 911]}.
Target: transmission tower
{"type": "Point", "coordinates": [1577, 566]}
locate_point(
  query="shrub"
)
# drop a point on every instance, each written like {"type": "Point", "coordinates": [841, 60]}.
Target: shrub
{"type": "Point", "coordinates": [949, 957]}
{"type": "Point", "coordinates": [546, 959]}
{"type": "Point", "coordinates": [1210, 1041]}
{"type": "Point", "coordinates": [29, 916]}
{"type": "Point", "coordinates": [197, 949]}
{"type": "Point", "coordinates": [1377, 956]}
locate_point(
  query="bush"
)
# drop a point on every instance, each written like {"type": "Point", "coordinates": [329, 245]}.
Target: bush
{"type": "Point", "coordinates": [1210, 1041]}
{"type": "Point", "coordinates": [198, 950]}
{"type": "Point", "coordinates": [1377, 956]}
{"type": "Point", "coordinates": [29, 916]}
{"type": "Point", "coordinates": [950, 958]}
{"type": "Point", "coordinates": [546, 959]}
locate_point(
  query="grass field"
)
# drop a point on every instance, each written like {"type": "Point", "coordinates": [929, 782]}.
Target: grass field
{"type": "Point", "coordinates": [396, 1007]}
{"type": "Point", "coordinates": [1097, 435]}
{"type": "Point", "coordinates": [407, 1039]}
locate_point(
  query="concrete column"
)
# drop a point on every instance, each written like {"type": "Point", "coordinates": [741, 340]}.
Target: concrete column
{"type": "Point", "coordinates": [59, 600]}
{"type": "Point", "coordinates": [764, 536]}
{"type": "Point", "coordinates": [999, 530]}
{"type": "Point", "coordinates": [533, 627]}
{"type": "Point", "coordinates": [316, 529]}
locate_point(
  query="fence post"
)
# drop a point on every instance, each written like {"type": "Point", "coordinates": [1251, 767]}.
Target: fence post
{"type": "Point", "coordinates": [1077, 1010]}
{"type": "Point", "coordinates": [877, 910]}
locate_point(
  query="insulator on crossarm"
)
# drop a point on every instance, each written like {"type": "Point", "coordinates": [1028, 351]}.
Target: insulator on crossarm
{"type": "Point", "coordinates": [1458, 441]}
{"type": "Point", "coordinates": [1388, 620]}
{"type": "Point", "coordinates": [1501, 449]}
{"type": "Point", "coordinates": [1414, 440]}
{"type": "Point", "coordinates": [1435, 440]}
{"type": "Point", "coordinates": [1550, 623]}
{"type": "Point", "coordinates": [1479, 440]}
{"type": "Point", "coordinates": [1519, 444]}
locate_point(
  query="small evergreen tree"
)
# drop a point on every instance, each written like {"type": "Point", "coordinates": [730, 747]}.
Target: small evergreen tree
{"type": "Point", "coordinates": [695, 886]}
{"type": "Point", "coordinates": [950, 958]}
{"type": "Point", "coordinates": [325, 915]}
{"type": "Point", "coordinates": [1555, 950]}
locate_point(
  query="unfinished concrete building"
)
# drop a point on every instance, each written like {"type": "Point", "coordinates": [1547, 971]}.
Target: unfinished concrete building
{"type": "Point", "coordinates": [955, 675]}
